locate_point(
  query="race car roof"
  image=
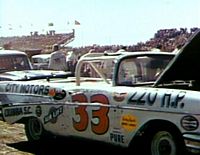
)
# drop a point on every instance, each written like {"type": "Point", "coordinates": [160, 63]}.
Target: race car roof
{"type": "Point", "coordinates": [186, 64]}
{"type": "Point", "coordinates": [11, 52]}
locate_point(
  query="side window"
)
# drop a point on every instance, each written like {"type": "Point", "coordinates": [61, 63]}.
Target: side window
{"type": "Point", "coordinates": [20, 63]}
{"type": "Point", "coordinates": [129, 72]}
{"type": "Point", "coordinates": [154, 67]}
{"type": "Point", "coordinates": [140, 69]}
{"type": "Point", "coordinates": [5, 63]}
{"type": "Point", "coordinates": [14, 62]}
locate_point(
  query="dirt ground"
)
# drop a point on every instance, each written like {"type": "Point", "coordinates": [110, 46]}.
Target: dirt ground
{"type": "Point", "coordinates": [10, 134]}
{"type": "Point", "coordinates": [13, 141]}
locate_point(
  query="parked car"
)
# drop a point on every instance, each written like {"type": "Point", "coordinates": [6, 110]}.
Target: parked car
{"type": "Point", "coordinates": [15, 65]}
{"type": "Point", "coordinates": [115, 102]}
{"type": "Point", "coordinates": [40, 61]}
{"type": "Point", "coordinates": [13, 60]}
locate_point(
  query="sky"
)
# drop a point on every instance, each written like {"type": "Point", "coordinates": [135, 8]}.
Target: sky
{"type": "Point", "coordinates": [102, 22]}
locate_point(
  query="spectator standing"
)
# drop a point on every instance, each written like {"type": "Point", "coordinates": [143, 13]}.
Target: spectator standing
{"type": "Point", "coordinates": [58, 60]}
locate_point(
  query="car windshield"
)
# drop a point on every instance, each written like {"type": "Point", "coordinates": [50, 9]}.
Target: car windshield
{"type": "Point", "coordinates": [41, 59]}
{"type": "Point", "coordinates": [14, 63]}
{"type": "Point", "coordinates": [141, 69]}
{"type": "Point", "coordinates": [98, 69]}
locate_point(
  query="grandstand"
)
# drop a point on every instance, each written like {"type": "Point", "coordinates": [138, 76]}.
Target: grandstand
{"type": "Point", "coordinates": [165, 39]}
{"type": "Point", "coordinates": [37, 42]}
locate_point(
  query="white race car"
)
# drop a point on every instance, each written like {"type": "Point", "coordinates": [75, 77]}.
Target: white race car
{"type": "Point", "coordinates": [16, 66]}
{"type": "Point", "coordinates": [124, 99]}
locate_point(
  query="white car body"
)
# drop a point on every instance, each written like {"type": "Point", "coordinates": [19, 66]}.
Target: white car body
{"type": "Point", "coordinates": [41, 61]}
{"type": "Point", "coordinates": [163, 111]}
{"type": "Point", "coordinates": [16, 66]}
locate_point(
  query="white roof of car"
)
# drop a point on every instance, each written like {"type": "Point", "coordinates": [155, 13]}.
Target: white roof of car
{"type": "Point", "coordinates": [104, 56]}
{"type": "Point", "coordinates": [11, 52]}
{"type": "Point", "coordinates": [43, 56]}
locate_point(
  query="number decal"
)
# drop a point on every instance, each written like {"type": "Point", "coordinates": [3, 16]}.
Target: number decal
{"type": "Point", "coordinates": [101, 114]}
{"type": "Point", "coordinates": [81, 111]}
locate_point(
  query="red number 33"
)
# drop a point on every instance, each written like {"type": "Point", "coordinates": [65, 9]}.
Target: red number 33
{"type": "Point", "coordinates": [101, 114]}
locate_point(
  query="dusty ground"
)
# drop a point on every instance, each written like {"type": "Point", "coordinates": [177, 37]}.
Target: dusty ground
{"type": "Point", "coordinates": [10, 134]}
{"type": "Point", "coordinates": [14, 142]}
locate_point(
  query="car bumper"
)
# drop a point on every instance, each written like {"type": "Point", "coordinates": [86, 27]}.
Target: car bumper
{"type": "Point", "coordinates": [192, 142]}
{"type": "Point", "coordinates": [1, 115]}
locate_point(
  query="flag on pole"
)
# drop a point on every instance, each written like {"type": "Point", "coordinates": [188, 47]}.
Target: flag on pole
{"type": "Point", "coordinates": [50, 24]}
{"type": "Point", "coordinates": [77, 23]}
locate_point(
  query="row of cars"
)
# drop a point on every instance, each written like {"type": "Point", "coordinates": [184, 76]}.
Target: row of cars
{"type": "Point", "coordinates": [41, 61]}
{"type": "Point", "coordinates": [15, 65]}
{"type": "Point", "coordinates": [127, 99]}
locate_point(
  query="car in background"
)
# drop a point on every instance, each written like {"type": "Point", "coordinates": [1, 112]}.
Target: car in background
{"type": "Point", "coordinates": [40, 61]}
{"type": "Point", "coordinates": [13, 60]}
{"type": "Point", "coordinates": [15, 65]}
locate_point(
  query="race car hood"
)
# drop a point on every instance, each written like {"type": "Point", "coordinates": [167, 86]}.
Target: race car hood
{"type": "Point", "coordinates": [33, 75]}
{"type": "Point", "coordinates": [186, 64]}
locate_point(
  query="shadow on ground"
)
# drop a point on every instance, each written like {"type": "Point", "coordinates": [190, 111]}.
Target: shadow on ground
{"type": "Point", "coordinates": [62, 146]}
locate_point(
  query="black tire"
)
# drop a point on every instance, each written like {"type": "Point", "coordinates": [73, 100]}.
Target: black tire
{"type": "Point", "coordinates": [163, 143]}
{"type": "Point", "coordinates": [34, 129]}
{"type": "Point", "coordinates": [158, 138]}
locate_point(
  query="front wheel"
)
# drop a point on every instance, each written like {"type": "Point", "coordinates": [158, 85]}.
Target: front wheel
{"type": "Point", "coordinates": [163, 143]}
{"type": "Point", "coordinates": [165, 139]}
{"type": "Point", "coordinates": [34, 129]}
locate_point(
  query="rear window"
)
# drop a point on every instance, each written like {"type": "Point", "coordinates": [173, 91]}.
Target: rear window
{"type": "Point", "coordinates": [14, 63]}
{"type": "Point", "coordinates": [40, 60]}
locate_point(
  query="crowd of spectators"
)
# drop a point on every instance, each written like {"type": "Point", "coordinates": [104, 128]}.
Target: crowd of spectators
{"type": "Point", "coordinates": [165, 39]}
